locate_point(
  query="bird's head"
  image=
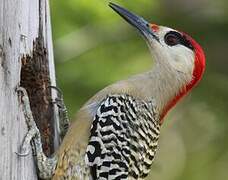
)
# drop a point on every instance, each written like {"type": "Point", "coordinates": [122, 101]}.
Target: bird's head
{"type": "Point", "coordinates": [178, 53]}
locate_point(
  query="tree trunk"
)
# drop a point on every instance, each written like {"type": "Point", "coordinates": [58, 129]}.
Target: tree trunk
{"type": "Point", "coordinates": [26, 59]}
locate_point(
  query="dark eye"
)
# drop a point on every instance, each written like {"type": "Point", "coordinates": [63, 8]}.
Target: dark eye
{"type": "Point", "coordinates": [171, 39]}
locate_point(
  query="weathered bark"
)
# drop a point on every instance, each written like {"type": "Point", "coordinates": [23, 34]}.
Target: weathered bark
{"type": "Point", "coordinates": [26, 59]}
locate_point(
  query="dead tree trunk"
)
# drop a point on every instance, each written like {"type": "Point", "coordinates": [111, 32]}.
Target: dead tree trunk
{"type": "Point", "coordinates": [26, 59]}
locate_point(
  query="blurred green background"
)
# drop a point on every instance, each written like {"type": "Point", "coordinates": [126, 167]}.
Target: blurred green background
{"type": "Point", "coordinates": [94, 47]}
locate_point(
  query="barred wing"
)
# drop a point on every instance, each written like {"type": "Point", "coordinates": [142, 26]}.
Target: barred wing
{"type": "Point", "coordinates": [124, 137]}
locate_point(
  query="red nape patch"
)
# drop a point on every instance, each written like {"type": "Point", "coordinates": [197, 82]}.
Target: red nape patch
{"type": "Point", "coordinates": [196, 77]}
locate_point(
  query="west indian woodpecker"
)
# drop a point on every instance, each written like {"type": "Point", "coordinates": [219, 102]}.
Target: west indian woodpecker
{"type": "Point", "coordinates": [116, 132]}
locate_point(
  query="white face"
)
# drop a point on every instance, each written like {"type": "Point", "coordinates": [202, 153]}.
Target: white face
{"type": "Point", "coordinates": [173, 55]}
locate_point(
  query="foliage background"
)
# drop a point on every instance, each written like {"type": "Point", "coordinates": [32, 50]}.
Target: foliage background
{"type": "Point", "coordinates": [95, 47]}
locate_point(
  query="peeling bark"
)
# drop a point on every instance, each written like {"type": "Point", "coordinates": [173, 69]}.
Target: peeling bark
{"type": "Point", "coordinates": [26, 59]}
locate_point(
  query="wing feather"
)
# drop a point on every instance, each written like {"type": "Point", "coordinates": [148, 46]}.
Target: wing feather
{"type": "Point", "coordinates": [124, 136]}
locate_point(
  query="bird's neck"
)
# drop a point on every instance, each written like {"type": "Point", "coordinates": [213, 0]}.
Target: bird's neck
{"type": "Point", "coordinates": [164, 85]}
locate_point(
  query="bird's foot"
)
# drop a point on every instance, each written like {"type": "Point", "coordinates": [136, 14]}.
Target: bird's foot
{"type": "Point", "coordinates": [32, 128]}
{"type": "Point", "coordinates": [46, 166]}
{"type": "Point", "coordinates": [63, 114]}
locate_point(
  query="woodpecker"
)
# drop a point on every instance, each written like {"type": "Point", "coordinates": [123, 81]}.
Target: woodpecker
{"type": "Point", "coordinates": [115, 135]}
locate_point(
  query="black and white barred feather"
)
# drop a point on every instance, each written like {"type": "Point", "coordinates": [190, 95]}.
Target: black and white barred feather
{"type": "Point", "coordinates": [124, 138]}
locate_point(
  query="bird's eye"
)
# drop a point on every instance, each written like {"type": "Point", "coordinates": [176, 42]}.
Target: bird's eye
{"type": "Point", "coordinates": [171, 39]}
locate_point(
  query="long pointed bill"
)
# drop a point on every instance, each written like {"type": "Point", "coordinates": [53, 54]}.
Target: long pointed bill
{"type": "Point", "coordinates": [136, 21]}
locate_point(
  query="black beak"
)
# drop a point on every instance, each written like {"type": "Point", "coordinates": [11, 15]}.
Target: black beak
{"type": "Point", "coordinates": [142, 25]}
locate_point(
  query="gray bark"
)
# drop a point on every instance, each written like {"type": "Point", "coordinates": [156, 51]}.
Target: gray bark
{"type": "Point", "coordinates": [24, 30]}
